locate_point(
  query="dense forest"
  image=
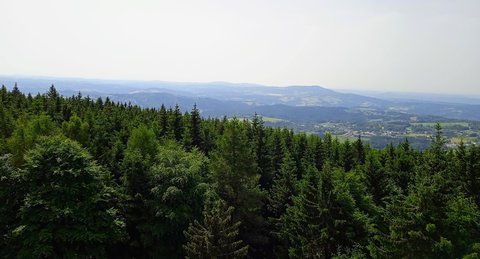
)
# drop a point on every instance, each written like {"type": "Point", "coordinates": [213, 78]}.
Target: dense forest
{"type": "Point", "coordinates": [83, 178]}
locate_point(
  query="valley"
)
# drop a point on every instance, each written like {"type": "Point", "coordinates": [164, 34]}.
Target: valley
{"type": "Point", "coordinates": [379, 119]}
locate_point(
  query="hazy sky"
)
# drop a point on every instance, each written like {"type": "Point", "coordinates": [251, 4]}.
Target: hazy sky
{"type": "Point", "coordinates": [383, 45]}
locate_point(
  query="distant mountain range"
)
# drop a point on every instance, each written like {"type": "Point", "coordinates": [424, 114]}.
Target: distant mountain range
{"type": "Point", "coordinates": [293, 103]}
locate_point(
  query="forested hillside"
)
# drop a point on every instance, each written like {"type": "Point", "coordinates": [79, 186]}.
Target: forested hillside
{"type": "Point", "coordinates": [82, 178]}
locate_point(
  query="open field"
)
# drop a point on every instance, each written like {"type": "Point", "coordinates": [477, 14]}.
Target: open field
{"type": "Point", "coordinates": [271, 119]}
{"type": "Point", "coordinates": [443, 124]}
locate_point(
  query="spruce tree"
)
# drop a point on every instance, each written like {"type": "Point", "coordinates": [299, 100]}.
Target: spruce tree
{"type": "Point", "coordinates": [217, 235]}
{"type": "Point", "coordinates": [376, 179]}
{"type": "Point", "coordinates": [283, 188]}
{"type": "Point", "coordinates": [261, 152]}
{"type": "Point", "coordinates": [279, 198]}
{"type": "Point", "coordinates": [176, 125]}
{"type": "Point", "coordinates": [234, 173]}
{"type": "Point", "coordinates": [323, 219]}
{"type": "Point", "coordinates": [195, 128]}
{"type": "Point", "coordinates": [163, 121]}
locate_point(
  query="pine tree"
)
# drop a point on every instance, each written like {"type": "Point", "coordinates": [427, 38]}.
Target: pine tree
{"type": "Point", "coordinates": [217, 235]}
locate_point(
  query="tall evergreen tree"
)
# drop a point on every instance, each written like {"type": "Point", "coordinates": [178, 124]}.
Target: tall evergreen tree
{"type": "Point", "coordinates": [347, 156]}
{"type": "Point", "coordinates": [279, 198]}
{"type": "Point", "coordinates": [283, 188]}
{"type": "Point", "coordinates": [359, 151]}
{"type": "Point", "coordinates": [163, 121]}
{"type": "Point", "coordinates": [261, 152]}
{"type": "Point", "coordinates": [376, 179]}
{"type": "Point", "coordinates": [176, 125]}
{"type": "Point", "coordinates": [217, 235]}
{"type": "Point", "coordinates": [234, 173]}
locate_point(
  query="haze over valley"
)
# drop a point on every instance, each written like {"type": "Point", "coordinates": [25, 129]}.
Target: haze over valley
{"type": "Point", "coordinates": [379, 118]}
{"type": "Point", "coordinates": [240, 129]}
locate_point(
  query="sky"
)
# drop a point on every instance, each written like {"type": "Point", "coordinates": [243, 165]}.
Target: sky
{"type": "Point", "coordinates": [408, 45]}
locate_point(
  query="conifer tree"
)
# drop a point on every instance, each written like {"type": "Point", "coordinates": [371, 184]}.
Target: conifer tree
{"type": "Point", "coordinates": [323, 219]}
{"type": "Point", "coordinates": [376, 179]}
{"type": "Point", "coordinates": [319, 154]}
{"type": "Point", "coordinates": [436, 159]}
{"type": "Point", "coordinates": [163, 117]}
{"type": "Point", "coordinates": [234, 174]}
{"type": "Point", "coordinates": [176, 125]}
{"type": "Point", "coordinates": [279, 198]}
{"type": "Point", "coordinates": [347, 156]}
{"type": "Point", "coordinates": [195, 128]}
{"type": "Point", "coordinates": [359, 151]}
{"type": "Point", "coordinates": [401, 167]}
{"type": "Point", "coordinates": [277, 150]}
{"type": "Point", "coordinates": [261, 152]}
{"type": "Point", "coordinates": [217, 235]}
{"type": "Point", "coordinates": [283, 188]}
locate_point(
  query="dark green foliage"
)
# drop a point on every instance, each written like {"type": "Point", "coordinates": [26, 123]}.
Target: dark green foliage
{"type": "Point", "coordinates": [26, 135]}
{"type": "Point", "coordinates": [376, 180]}
{"type": "Point", "coordinates": [76, 129]}
{"type": "Point", "coordinates": [11, 196]}
{"type": "Point", "coordinates": [234, 173]}
{"type": "Point", "coordinates": [295, 195]}
{"type": "Point", "coordinates": [176, 187]}
{"type": "Point", "coordinates": [68, 208]}
{"type": "Point", "coordinates": [195, 128]}
{"type": "Point", "coordinates": [163, 121]}
{"type": "Point", "coordinates": [324, 216]}
{"type": "Point", "coordinates": [261, 152]}
{"type": "Point", "coordinates": [347, 156]}
{"type": "Point", "coordinates": [6, 122]}
{"type": "Point", "coordinates": [359, 151]}
{"type": "Point", "coordinates": [176, 125]}
{"type": "Point", "coordinates": [217, 235]}
{"type": "Point", "coordinates": [143, 140]}
{"type": "Point", "coordinates": [283, 189]}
